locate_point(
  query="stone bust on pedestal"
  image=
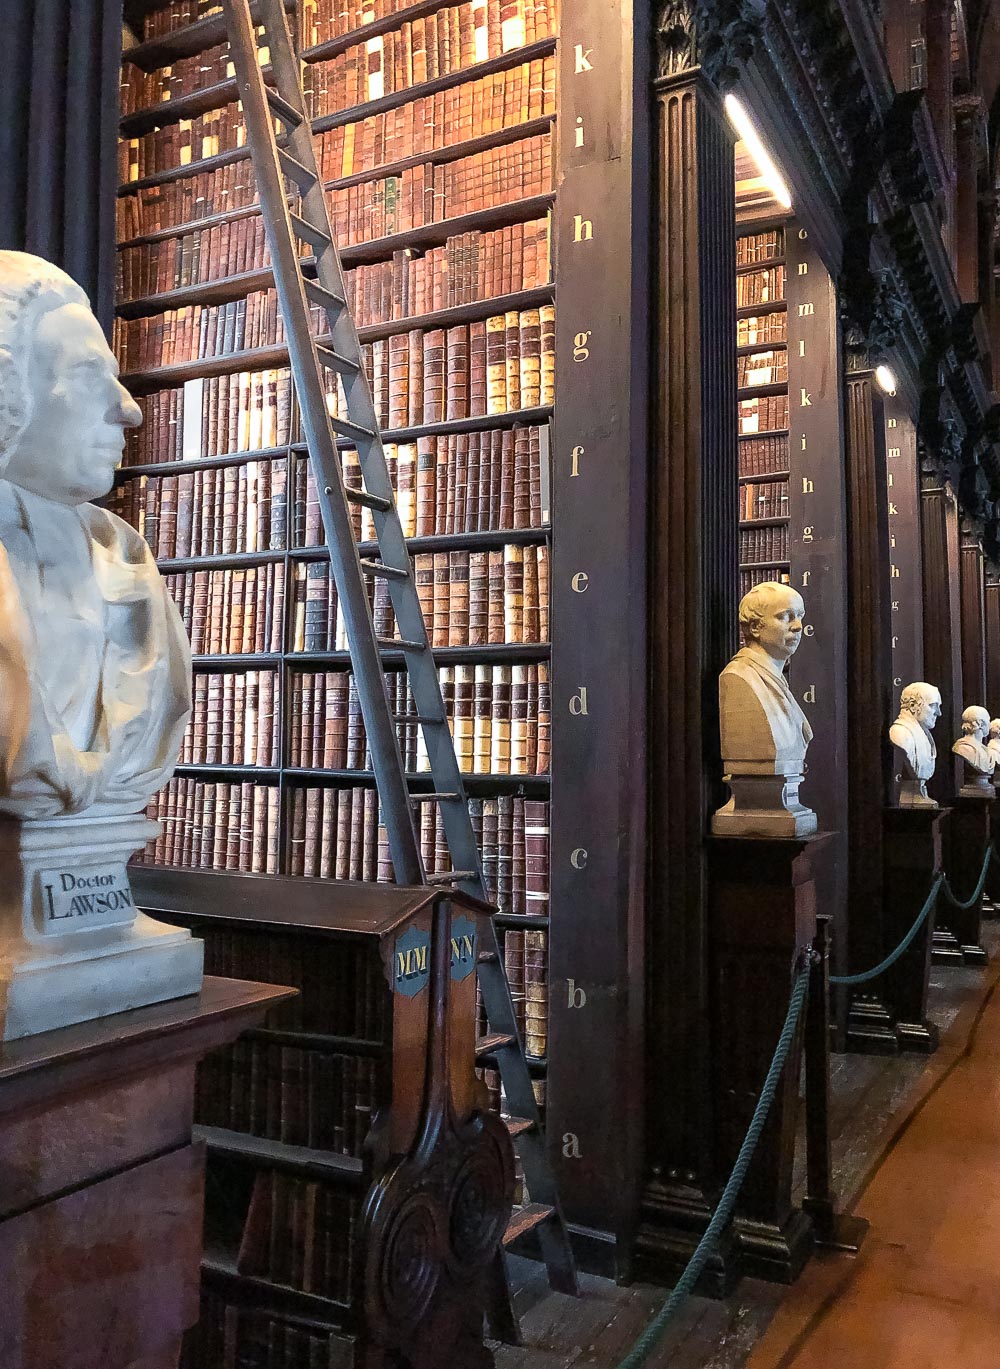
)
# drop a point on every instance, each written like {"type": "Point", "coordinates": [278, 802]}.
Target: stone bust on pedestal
{"type": "Point", "coordinates": [94, 675]}
{"type": "Point", "coordinates": [971, 746]}
{"type": "Point", "coordinates": [993, 744]}
{"type": "Point", "coordinates": [764, 732]}
{"type": "Point", "coordinates": [910, 734]}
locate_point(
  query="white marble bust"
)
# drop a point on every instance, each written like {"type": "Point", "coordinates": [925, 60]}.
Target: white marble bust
{"type": "Point", "coordinates": [764, 732]}
{"type": "Point", "coordinates": [95, 683]}
{"type": "Point", "coordinates": [971, 746]}
{"type": "Point", "coordinates": [919, 710]}
{"type": "Point", "coordinates": [993, 744]}
{"type": "Point", "coordinates": [95, 667]}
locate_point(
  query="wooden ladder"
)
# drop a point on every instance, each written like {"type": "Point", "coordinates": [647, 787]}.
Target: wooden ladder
{"type": "Point", "coordinates": [283, 158]}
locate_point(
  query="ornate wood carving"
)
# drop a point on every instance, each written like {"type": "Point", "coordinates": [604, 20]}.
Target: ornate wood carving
{"type": "Point", "coordinates": [716, 35]}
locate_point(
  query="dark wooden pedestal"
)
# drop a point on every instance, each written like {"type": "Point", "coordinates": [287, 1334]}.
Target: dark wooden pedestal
{"type": "Point", "coordinates": [762, 909]}
{"type": "Point", "coordinates": [912, 856]}
{"type": "Point", "coordinates": [101, 1186]}
{"type": "Point", "coordinates": [957, 939]}
{"type": "Point", "coordinates": [991, 897]}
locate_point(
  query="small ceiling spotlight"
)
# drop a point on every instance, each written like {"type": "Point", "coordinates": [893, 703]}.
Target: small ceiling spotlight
{"type": "Point", "coordinates": [769, 173]}
{"type": "Point", "coordinates": [886, 380]}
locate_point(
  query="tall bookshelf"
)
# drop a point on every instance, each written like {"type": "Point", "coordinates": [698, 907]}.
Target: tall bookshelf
{"type": "Point", "coordinates": [435, 132]}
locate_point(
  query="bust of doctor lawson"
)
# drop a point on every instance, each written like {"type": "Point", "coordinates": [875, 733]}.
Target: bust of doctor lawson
{"type": "Point", "coordinates": [764, 732]}
{"type": "Point", "coordinates": [94, 675]}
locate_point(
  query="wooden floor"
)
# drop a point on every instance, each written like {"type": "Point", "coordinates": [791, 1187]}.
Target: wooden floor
{"type": "Point", "coordinates": [916, 1299]}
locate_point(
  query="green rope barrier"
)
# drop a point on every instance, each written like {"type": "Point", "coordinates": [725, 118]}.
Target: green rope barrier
{"type": "Point", "coordinates": [949, 894]}
{"type": "Point", "coordinates": [721, 1216]}
{"type": "Point", "coordinates": [865, 975]}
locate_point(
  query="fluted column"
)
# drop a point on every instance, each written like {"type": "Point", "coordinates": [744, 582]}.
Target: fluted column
{"type": "Point", "coordinates": [971, 582]}
{"type": "Point", "coordinates": [942, 636]}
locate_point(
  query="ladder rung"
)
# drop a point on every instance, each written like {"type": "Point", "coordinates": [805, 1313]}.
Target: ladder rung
{"type": "Point", "coordinates": [416, 718]}
{"type": "Point", "coordinates": [352, 431]}
{"type": "Point", "coordinates": [362, 497]}
{"type": "Point", "coordinates": [495, 1041]}
{"type": "Point", "coordinates": [401, 644]}
{"type": "Point", "coordinates": [525, 1219]}
{"type": "Point", "coordinates": [294, 170]}
{"type": "Point", "coordinates": [320, 295]}
{"type": "Point", "coordinates": [488, 957]}
{"type": "Point", "coordinates": [517, 1126]}
{"type": "Point", "coordinates": [432, 798]}
{"type": "Point", "coordinates": [333, 361]}
{"type": "Point", "coordinates": [316, 237]}
{"type": "Point", "coordinates": [450, 876]}
{"type": "Point", "coordinates": [286, 112]}
{"type": "Point", "coordinates": [381, 569]}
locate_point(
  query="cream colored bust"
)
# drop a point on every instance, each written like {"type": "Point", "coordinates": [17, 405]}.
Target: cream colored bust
{"type": "Point", "coordinates": [971, 746]}
{"type": "Point", "coordinates": [993, 745]}
{"type": "Point", "coordinates": [919, 710]}
{"type": "Point", "coordinates": [764, 732]}
{"type": "Point", "coordinates": [94, 674]}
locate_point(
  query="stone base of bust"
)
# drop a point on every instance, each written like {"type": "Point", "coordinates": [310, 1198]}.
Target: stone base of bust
{"type": "Point", "coordinates": [977, 787]}
{"type": "Point", "coordinates": [913, 794]}
{"type": "Point", "coordinates": [72, 945]}
{"type": "Point", "coordinates": [764, 806]}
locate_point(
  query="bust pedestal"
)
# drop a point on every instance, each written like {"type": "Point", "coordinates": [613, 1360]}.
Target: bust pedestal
{"type": "Point", "coordinates": [912, 855]}
{"type": "Point", "coordinates": [72, 945]}
{"type": "Point", "coordinates": [764, 806]}
{"type": "Point", "coordinates": [957, 938]}
{"type": "Point", "coordinates": [101, 1201]}
{"type": "Point", "coordinates": [762, 910]}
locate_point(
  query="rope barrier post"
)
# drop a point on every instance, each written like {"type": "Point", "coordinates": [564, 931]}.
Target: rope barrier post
{"type": "Point", "coordinates": [959, 939]}
{"type": "Point", "coordinates": [833, 1230]}
{"type": "Point", "coordinates": [762, 914]}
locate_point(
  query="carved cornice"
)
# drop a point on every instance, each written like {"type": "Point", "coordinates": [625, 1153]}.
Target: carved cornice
{"type": "Point", "coordinates": [715, 36]}
{"type": "Point", "coordinates": [912, 151]}
{"type": "Point", "coordinates": [872, 311]}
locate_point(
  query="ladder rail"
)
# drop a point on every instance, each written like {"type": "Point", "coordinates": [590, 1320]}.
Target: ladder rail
{"type": "Point", "coordinates": [344, 559]}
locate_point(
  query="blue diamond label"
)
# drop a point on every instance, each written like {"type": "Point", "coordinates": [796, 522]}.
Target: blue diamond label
{"type": "Point", "coordinates": [463, 947]}
{"type": "Point", "coordinates": [411, 962]}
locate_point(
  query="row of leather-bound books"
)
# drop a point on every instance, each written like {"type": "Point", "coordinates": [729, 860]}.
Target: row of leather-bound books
{"type": "Point", "coordinates": [185, 197]}
{"type": "Point", "coordinates": [764, 544]}
{"type": "Point", "coordinates": [235, 719]}
{"type": "Point", "coordinates": [165, 19]}
{"type": "Point", "coordinates": [334, 832]}
{"type": "Point", "coordinates": [449, 484]}
{"type": "Point", "coordinates": [754, 248]}
{"type": "Point", "coordinates": [766, 286]}
{"type": "Point", "coordinates": [756, 576]}
{"type": "Point", "coordinates": [762, 329]}
{"type": "Point", "coordinates": [525, 961]}
{"type": "Point", "coordinates": [231, 611]}
{"type": "Point", "coordinates": [292, 1094]}
{"type": "Point", "coordinates": [233, 1334]}
{"type": "Point", "coordinates": [432, 123]}
{"type": "Point", "coordinates": [451, 39]}
{"type": "Point", "coordinates": [300, 1233]}
{"type": "Point", "coordinates": [499, 715]}
{"type": "Point", "coordinates": [140, 90]}
{"type": "Point", "coordinates": [181, 143]}
{"type": "Point", "coordinates": [468, 267]}
{"type": "Point", "coordinates": [768, 499]}
{"type": "Point", "coordinates": [763, 455]}
{"type": "Point", "coordinates": [764, 414]}
{"type": "Point", "coordinates": [323, 20]}
{"type": "Point", "coordinates": [767, 367]}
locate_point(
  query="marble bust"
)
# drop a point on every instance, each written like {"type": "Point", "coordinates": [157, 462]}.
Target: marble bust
{"type": "Point", "coordinates": [94, 674]}
{"type": "Point", "coordinates": [764, 732]}
{"type": "Point", "coordinates": [910, 734]}
{"type": "Point", "coordinates": [993, 744]}
{"type": "Point", "coordinates": [971, 746]}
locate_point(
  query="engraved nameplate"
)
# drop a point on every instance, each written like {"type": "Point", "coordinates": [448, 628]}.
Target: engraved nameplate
{"type": "Point", "coordinates": [78, 899]}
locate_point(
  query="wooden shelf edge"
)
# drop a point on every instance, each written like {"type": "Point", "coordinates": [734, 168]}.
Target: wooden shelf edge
{"type": "Point", "coordinates": [280, 1155]}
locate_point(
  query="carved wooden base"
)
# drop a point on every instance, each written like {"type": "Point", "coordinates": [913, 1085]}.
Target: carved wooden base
{"type": "Point", "coordinates": [775, 1253]}
{"type": "Point", "coordinates": [674, 1218]}
{"type": "Point", "coordinates": [970, 832]}
{"type": "Point", "coordinates": [912, 856]}
{"type": "Point", "coordinates": [834, 1230]}
{"type": "Point", "coordinates": [871, 1026]}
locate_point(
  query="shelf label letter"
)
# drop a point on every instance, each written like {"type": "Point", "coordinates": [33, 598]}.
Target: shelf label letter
{"type": "Point", "coordinates": [806, 309]}
{"type": "Point", "coordinates": [807, 533]}
{"type": "Point", "coordinates": [578, 131]}
{"type": "Point", "coordinates": [580, 581]}
{"type": "Point", "coordinates": [806, 399]}
{"type": "Point", "coordinates": [583, 229]}
{"type": "Point", "coordinates": [578, 858]}
{"type": "Point", "coordinates": [807, 485]}
{"type": "Point", "coordinates": [577, 997]}
{"type": "Point", "coordinates": [580, 349]}
{"type": "Point", "coordinates": [578, 703]}
{"type": "Point", "coordinates": [576, 453]}
{"type": "Point", "coordinates": [571, 1146]}
{"type": "Point", "coordinates": [809, 697]}
{"type": "Point", "coordinates": [582, 59]}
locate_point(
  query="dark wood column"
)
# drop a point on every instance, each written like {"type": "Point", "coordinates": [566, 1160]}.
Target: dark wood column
{"type": "Point", "coordinates": [968, 120]}
{"type": "Point", "coordinates": [971, 582]}
{"type": "Point", "coordinates": [693, 601]}
{"type": "Point", "coordinates": [991, 635]}
{"type": "Point", "coordinates": [869, 655]}
{"type": "Point", "coordinates": [942, 651]}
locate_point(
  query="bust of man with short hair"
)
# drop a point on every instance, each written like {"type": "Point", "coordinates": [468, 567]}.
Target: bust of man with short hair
{"type": "Point", "coordinates": [764, 732]}
{"type": "Point", "coordinates": [993, 744]}
{"type": "Point", "coordinates": [971, 746]}
{"type": "Point", "coordinates": [919, 710]}
{"type": "Point", "coordinates": [94, 662]}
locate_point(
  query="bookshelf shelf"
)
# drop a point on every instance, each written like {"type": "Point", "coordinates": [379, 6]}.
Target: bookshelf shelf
{"type": "Point", "coordinates": [475, 784]}
{"type": "Point", "coordinates": [765, 565]}
{"type": "Point", "coordinates": [320, 52]}
{"type": "Point", "coordinates": [545, 47]}
{"type": "Point", "coordinates": [764, 265]}
{"type": "Point", "coordinates": [248, 660]}
{"type": "Point", "coordinates": [317, 1041]}
{"type": "Point", "coordinates": [313, 1164]}
{"type": "Point", "coordinates": [201, 463]}
{"type": "Point", "coordinates": [777, 522]}
{"type": "Point", "coordinates": [767, 432]}
{"type": "Point", "coordinates": [752, 348]}
{"type": "Point", "coordinates": [759, 310]}
{"type": "Point", "coordinates": [435, 156]}
{"type": "Point", "coordinates": [264, 1294]}
{"type": "Point", "coordinates": [769, 475]}
{"type": "Point", "coordinates": [178, 173]}
{"type": "Point", "coordinates": [779, 387]}
{"type": "Point", "coordinates": [506, 653]}
{"type": "Point", "coordinates": [184, 107]}
{"type": "Point", "coordinates": [186, 41]}
{"type": "Point", "coordinates": [457, 541]}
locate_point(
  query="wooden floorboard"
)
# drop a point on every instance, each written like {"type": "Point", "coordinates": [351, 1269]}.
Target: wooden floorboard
{"type": "Point", "coordinates": [872, 1098]}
